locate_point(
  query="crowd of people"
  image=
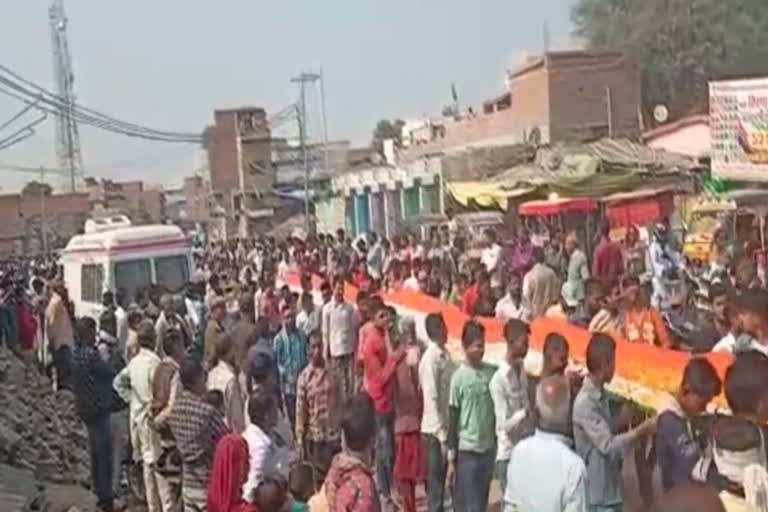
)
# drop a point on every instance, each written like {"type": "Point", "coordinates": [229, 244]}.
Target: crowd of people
{"type": "Point", "coordinates": [240, 393]}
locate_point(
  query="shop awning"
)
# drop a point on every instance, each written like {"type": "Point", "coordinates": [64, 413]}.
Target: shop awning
{"type": "Point", "coordinates": [484, 194]}
{"type": "Point", "coordinates": [557, 206]}
{"type": "Point", "coordinates": [642, 211]}
{"type": "Point", "coordinates": [634, 195]}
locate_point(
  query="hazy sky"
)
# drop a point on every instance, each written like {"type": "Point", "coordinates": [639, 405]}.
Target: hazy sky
{"type": "Point", "coordinates": [168, 64]}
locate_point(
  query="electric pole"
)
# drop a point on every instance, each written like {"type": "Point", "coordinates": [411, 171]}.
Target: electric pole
{"type": "Point", "coordinates": [43, 217]}
{"type": "Point", "coordinates": [302, 80]}
{"type": "Point", "coordinates": [325, 122]}
{"type": "Point", "coordinates": [68, 149]}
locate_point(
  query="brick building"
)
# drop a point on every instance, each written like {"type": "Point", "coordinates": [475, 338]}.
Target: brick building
{"type": "Point", "coordinates": [570, 96]}
{"type": "Point", "coordinates": [24, 216]}
{"type": "Point", "coordinates": [142, 204]}
{"type": "Point", "coordinates": [241, 170]}
{"type": "Point", "coordinates": [196, 203]}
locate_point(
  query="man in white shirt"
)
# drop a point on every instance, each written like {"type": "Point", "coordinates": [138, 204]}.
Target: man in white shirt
{"type": "Point", "coordinates": [545, 474]}
{"type": "Point", "coordinates": [224, 377]}
{"type": "Point", "coordinates": [541, 286]}
{"type": "Point", "coordinates": [309, 317]}
{"type": "Point", "coordinates": [412, 282]}
{"type": "Point", "coordinates": [134, 385]}
{"type": "Point", "coordinates": [257, 295]}
{"type": "Point", "coordinates": [435, 371]}
{"type": "Point", "coordinates": [509, 392]}
{"type": "Point", "coordinates": [375, 257]}
{"type": "Point", "coordinates": [510, 305]}
{"type": "Point", "coordinates": [262, 411]}
{"type": "Point", "coordinates": [491, 259]}
{"type": "Point", "coordinates": [340, 328]}
{"type": "Point", "coordinates": [121, 316]}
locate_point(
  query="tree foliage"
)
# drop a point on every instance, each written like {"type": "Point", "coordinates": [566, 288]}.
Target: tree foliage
{"type": "Point", "coordinates": [35, 188]}
{"type": "Point", "coordinates": [680, 44]}
{"type": "Point", "coordinates": [386, 129]}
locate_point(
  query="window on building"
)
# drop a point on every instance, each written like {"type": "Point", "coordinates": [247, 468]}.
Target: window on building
{"type": "Point", "coordinates": [411, 202]}
{"type": "Point", "coordinates": [349, 217]}
{"type": "Point", "coordinates": [362, 213]}
{"type": "Point", "coordinates": [431, 197]}
{"type": "Point", "coordinates": [172, 272]}
{"type": "Point", "coordinates": [91, 283]}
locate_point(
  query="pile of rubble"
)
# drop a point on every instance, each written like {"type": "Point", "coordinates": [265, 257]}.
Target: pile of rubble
{"type": "Point", "coordinates": [39, 428]}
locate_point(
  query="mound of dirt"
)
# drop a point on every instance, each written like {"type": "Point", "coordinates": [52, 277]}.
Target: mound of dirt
{"type": "Point", "coordinates": [39, 428]}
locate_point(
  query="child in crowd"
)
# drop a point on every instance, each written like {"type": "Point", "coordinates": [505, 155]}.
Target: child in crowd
{"type": "Point", "coordinates": [301, 486]}
{"type": "Point", "coordinates": [271, 495]}
{"type": "Point", "coordinates": [677, 446]}
{"type": "Point", "coordinates": [555, 355]}
{"type": "Point", "coordinates": [556, 352]}
{"type": "Point", "coordinates": [215, 398]}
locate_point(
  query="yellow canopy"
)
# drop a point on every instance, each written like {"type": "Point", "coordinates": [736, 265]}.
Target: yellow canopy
{"type": "Point", "coordinates": [485, 194]}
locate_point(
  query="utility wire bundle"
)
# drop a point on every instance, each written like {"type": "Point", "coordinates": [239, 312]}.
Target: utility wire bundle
{"type": "Point", "coordinates": [15, 86]}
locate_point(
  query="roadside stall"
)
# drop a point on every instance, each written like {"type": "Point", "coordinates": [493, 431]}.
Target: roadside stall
{"type": "Point", "coordinates": [641, 209]}
{"type": "Point", "coordinates": [565, 214]}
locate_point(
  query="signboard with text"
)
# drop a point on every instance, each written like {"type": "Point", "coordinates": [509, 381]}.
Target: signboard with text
{"type": "Point", "coordinates": [738, 111]}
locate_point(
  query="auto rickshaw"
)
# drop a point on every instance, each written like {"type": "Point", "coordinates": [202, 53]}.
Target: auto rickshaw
{"type": "Point", "coordinates": [708, 216]}
{"type": "Point", "coordinates": [735, 220]}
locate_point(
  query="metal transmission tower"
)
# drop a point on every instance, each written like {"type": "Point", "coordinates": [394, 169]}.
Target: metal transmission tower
{"type": "Point", "coordinates": [68, 149]}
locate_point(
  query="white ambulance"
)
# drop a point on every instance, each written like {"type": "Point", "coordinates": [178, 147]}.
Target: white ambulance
{"type": "Point", "coordinates": [127, 258]}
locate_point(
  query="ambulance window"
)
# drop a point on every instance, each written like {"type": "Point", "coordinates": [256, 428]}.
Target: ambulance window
{"type": "Point", "coordinates": [91, 283]}
{"type": "Point", "coordinates": [132, 276]}
{"type": "Point", "coordinates": [172, 272]}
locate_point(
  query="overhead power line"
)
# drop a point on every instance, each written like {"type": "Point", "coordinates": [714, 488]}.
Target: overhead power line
{"type": "Point", "coordinates": [29, 169]}
{"type": "Point", "coordinates": [12, 141]}
{"type": "Point", "coordinates": [22, 84]}
{"type": "Point", "coordinates": [18, 115]}
{"type": "Point", "coordinates": [29, 92]}
{"type": "Point", "coordinates": [22, 133]}
{"type": "Point", "coordinates": [55, 110]}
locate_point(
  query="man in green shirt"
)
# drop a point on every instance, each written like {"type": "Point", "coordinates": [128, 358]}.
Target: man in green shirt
{"type": "Point", "coordinates": [472, 424]}
{"type": "Point", "coordinates": [578, 270]}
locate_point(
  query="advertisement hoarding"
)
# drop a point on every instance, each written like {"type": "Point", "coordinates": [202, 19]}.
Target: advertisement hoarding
{"type": "Point", "coordinates": [739, 124]}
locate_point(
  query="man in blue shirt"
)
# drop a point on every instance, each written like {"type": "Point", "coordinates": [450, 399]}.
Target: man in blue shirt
{"type": "Point", "coordinates": [602, 449]}
{"type": "Point", "coordinates": [291, 358]}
